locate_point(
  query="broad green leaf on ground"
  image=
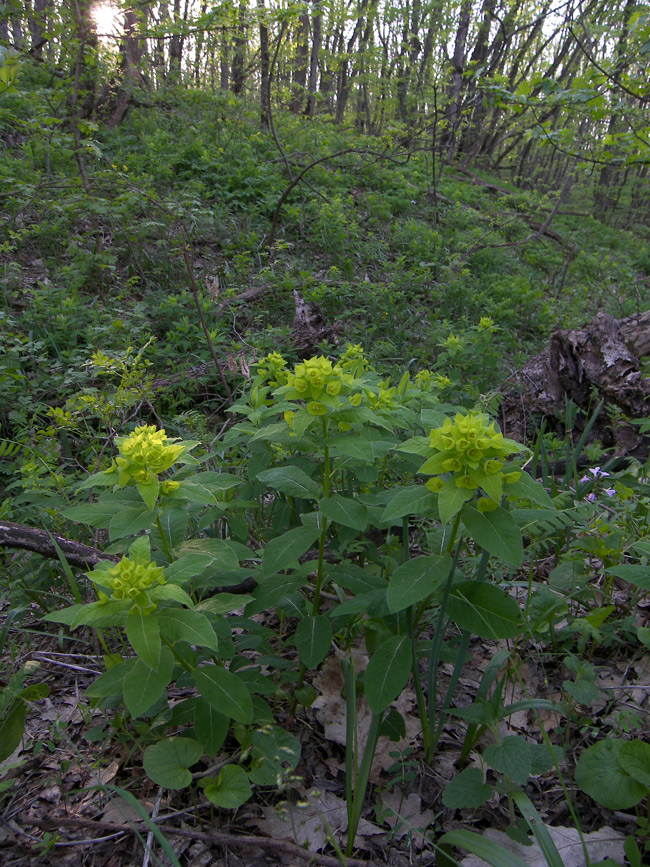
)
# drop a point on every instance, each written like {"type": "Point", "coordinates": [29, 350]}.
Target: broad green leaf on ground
{"type": "Point", "coordinates": [167, 763]}
{"type": "Point", "coordinates": [496, 531]}
{"type": "Point", "coordinates": [466, 790]}
{"type": "Point", "coordinates": [634, 757]}
{"type": "Point", "coordinates": [484, 610]}
{"type": "Point", "coordinates": [230, 789]}
{"type": "Point", "coordinates": [600, 773]}
{"type": "Point", "coordinates": [416, 579]}
{"type": "Point", "coordinates": [387, 672]}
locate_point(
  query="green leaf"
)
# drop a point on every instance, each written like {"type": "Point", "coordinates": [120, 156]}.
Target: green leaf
{"type": "Point", "coordinates": [130, 521]}
{"type": "Point", "coordinates": [283, 551]}
{"type": "Point", "coordinates": [272, 590]}
{"type": "Point", "coordinates": [313, 638]}
{"type": "Point", "coordinates": [354, 578]}
{"type": "Point", "coordinates": [488, 850]}
{"type": "Point", "coordinates": [111, 613]}
{"type": "Point", "coordinates": [530, 489]}
{"type": "Point", "coordinates": [412, 500]}
{"type": "Point", "coordinates": [451, 499]}
{"type": "Point", "coordinates": [292, 481]}
{"type": "Point", "coordinates": [484, 610]}
{"type": "Point", "coordinates": [230, 789]}
{"type": "Point", "coordinates": [174, 521]}
{"type": "Point", "coordinates": [634, 758]}
{"type": "Point", "coordinates": [149, 491]}
{"type": "Point", "coordinates": [143, 686]}
{"type": "Point", "coordinates": [466, 790]}
{"type": "Point", "coordinates": [168, 762]}
{"type": "Point", "coordinates": [144, 635]}
{"type": "Point", "coordinates": [416, 579]}
{"type": "Point", "coordinates": [111, 683]}
{"type": "Point", "coordinates": [210, 726]}
{"type": "Point", "coordinates": [512, 757]}
{"type": "Point", "coordinates": [387, 672]}
{"type": "Point", "coordinates": [360, 449]}
{"type": "Point", "coordinates": [12, 727]}
{"type": "Point", "coordinates": [345, 511]}
{"type": "Point", "coordinates": [99, 514]}
{"type": "Point", "coordinates": [495, 531]}
{"type": "Point", "coordinates": [195, 493]}
{"type": "Point", "coordinates": [539, 829]}
{"type": "Point", "coordinates": [274, 755]}
{"type": "Point", "coordinates": [216, 482]}
{"type": "Point", "coordinates": [637, 575]}
{"type": "Point", "coordinates": [183, 624]}
{"type": "Point", "coordinates": [601, 775]}
{"type": "Point", "coordinates": [219, 554]}
{"type": "Point", "coordinates": [225, 692]}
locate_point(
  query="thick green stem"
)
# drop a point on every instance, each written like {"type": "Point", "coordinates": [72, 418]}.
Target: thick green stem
{"type": "Point", "coordinates": [168, 550]}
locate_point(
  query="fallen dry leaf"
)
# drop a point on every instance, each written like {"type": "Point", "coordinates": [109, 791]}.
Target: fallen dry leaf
{"type": "Point", "coordinates": [312, 821]}
{"type": "Point", "coordinates": [330, 710]}
{"type": "Point", "coordinates": [405, 815]}
{"type": "Point", "coordinates": [601, 844]}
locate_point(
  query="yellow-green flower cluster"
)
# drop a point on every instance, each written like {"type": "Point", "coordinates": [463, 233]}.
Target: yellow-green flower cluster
{"type": "Point", "coordinates": [272, 370]}
{"type": "Point", "coordinates": [320, 384]}
{"type": "Point", "coordinates": [145, 453]}
{"type": "Point", "coordinates": [486, 324]}
{"type": "Point", "coordinates": [383, 398]}
{"type": "Point", "coordinates": [354, 360]}
{"type": "Point", "coordinates": [473, 451]}
{"type": "Point", "coordinates": [129, 579]}
{"type": "Point", "coordinates": [425, 380]}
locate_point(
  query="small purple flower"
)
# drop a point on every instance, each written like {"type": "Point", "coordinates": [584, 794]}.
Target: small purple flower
{"type": "Point", "coordinates": [610, 492]}
{"type": "Point", "coordinates": [585, 479]}
{"type": "Point", "coordinates": [598, 473]}
{"type": "Point", "coordinates": [591, 497]}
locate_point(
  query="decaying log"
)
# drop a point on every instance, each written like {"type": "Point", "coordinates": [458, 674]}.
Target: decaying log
{"type": "Point", "coordinates": [601, 361]}
{"type": "Point", "coordinates": [310, 327]}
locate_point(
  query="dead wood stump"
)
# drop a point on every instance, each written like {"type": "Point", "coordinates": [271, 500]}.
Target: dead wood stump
{"type": "Point", "coordinates": [603, 360]}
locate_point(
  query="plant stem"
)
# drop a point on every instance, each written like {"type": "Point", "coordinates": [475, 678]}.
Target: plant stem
{"type": "Point", "coordinates": [361, 782]}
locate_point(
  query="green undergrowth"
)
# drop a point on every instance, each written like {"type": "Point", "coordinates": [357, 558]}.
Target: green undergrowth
{"type": "Point", "coordinates": [364, 497]}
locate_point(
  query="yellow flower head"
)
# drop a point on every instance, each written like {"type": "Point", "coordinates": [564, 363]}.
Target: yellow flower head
{"type": "Point", "coordinates": [129, 579]}
{"type": "Point", "coordinates": [144, 453]}
{"type": "Point", "coordinates": [472, 450]}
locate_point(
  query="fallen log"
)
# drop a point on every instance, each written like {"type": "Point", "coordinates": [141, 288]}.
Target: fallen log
{"type": "Point", "coordinates": [601, 361]}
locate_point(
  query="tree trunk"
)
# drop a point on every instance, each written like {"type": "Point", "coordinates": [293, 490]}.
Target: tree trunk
{"type": "Point", "coordinates": [301, 62]}
{"type": "Point", "coordinates": [265, 63]}
{"type": "Point", "coordinates": [239, 51]}
{"type": "Point", "coordinates": [313, 61]}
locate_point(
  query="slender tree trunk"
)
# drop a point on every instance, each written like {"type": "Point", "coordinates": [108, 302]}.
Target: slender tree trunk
{"type": "Point", "coordinates": [313, 60]}
{"type": "Point", "coordinates": [265, 63]}
{"type": "Point", "coordinates": [301, 63]}
{"type": "Point", "coordinates": [237, 83]}
{"type": "Point", "coordinates": [458, 67]}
